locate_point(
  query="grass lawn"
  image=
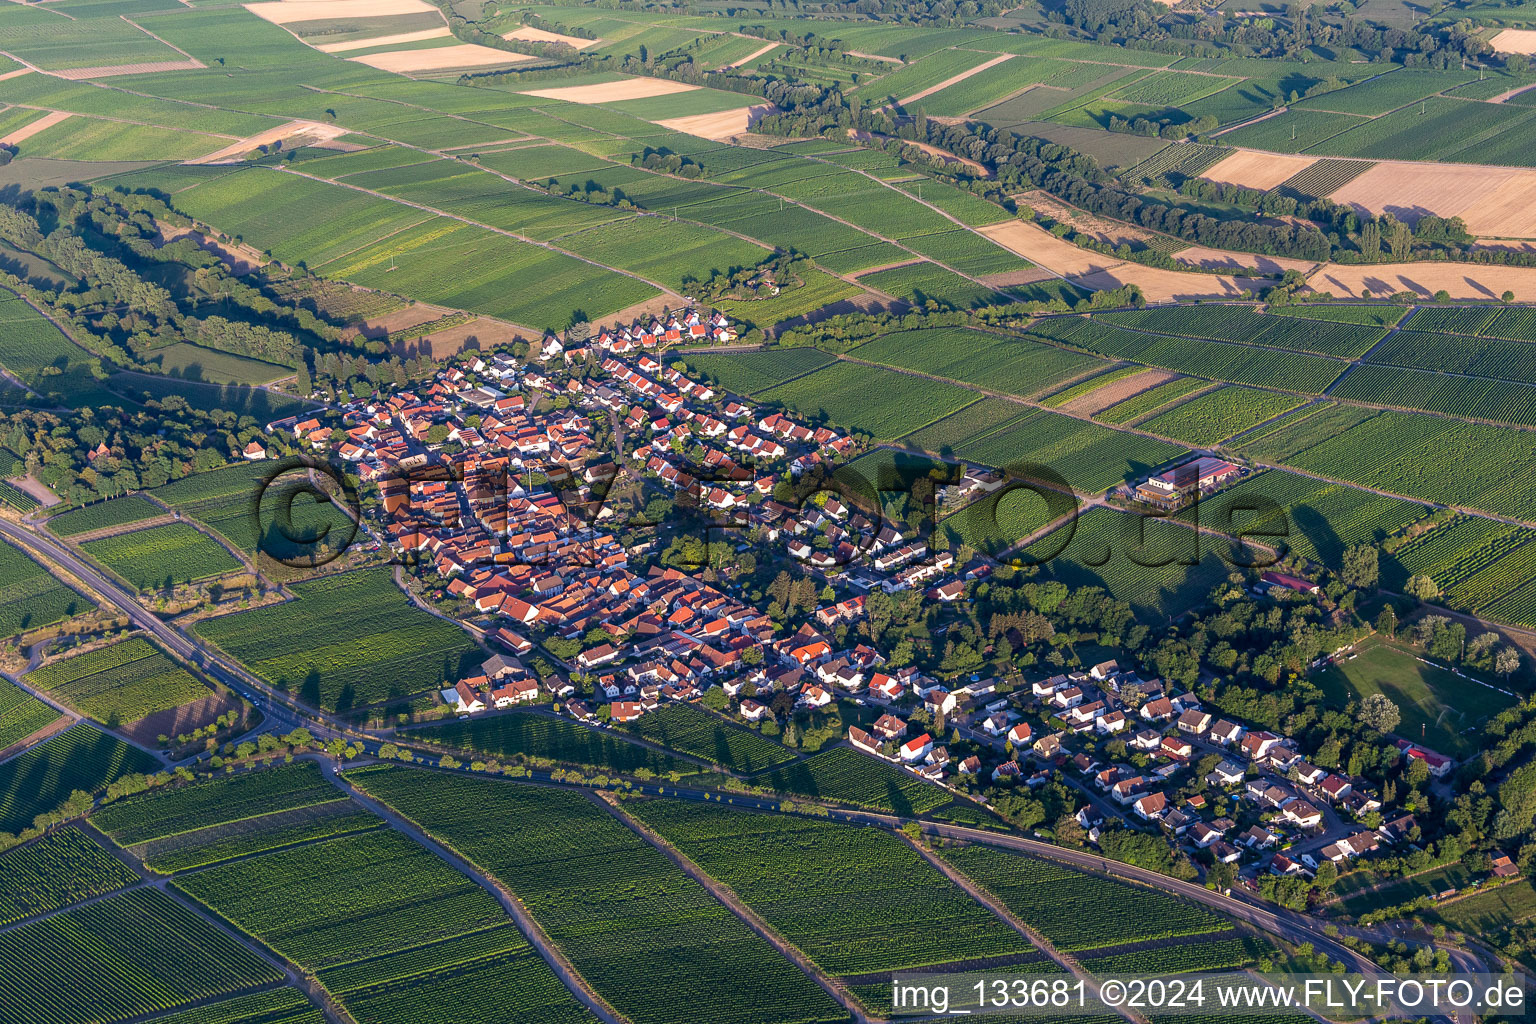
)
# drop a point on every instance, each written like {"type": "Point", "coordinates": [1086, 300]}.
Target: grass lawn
{"type": "Point", "coordinates": [1438, 707]}
{"type": "Point", "coordinates": [1452, 876]}
{"type": "Point", "coordinates": [1489, 910]}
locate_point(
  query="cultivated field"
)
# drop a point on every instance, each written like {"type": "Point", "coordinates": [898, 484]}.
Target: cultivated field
{"type": "Point", "coordinates": [119, 683]}
{"type": "Point", "coordinates": [1262, 171]}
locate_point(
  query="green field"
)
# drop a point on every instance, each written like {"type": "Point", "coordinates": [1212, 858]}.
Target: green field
{"type": "Point", "coordinates": [695, 731]}
{"type": "Point", "coordinates": [119, 683]}
{"type": "Point", "coordinates": [747, 373]}
{"type": "Point", "coordinates": [993, 361]}
{"type": "Point", "coordinates": [115, 512]}
{"type": "Point", "coordinates": [1076, 910]}
{"type": "Point", "coordinates": [30, 597]}
{"type": "Point", "coordinates": [841, 893]}
{"type": "Point", "coordinates": [42, 777]}
{"type": "Point", "coordinates": [843, 775]}
{"type": "Point", "coordinates": [628, 920]}
{"type": "Point", "coordinates": [1439, 709]}
{"type": "Point", "coordinates": [1486, 912]}
{"type": "Point", "coordinates": [60, 869]}
{"type": "Point", "coordinates": [124, 957]}
{"type": "Point", "coordinates": [330, 647]}
{"type": "Point", "coordinates": [553, 739]}
{"type": "Point", "coordinates": [21, 714]}
{"type": "Point", "coordinates": [881, 403]}
{"type": "Point", "coordinates": [161, 557]}
{"type": "Point", "coordinates": [1218, 415]}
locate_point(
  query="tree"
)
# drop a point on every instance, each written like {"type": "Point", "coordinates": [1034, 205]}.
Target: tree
{"type": "Point", "coordinates": [1361, 565]}
{"type": "Point", "coordinates": [1422, 587]}
{"type": "Point", "coordinates": [1386, 622]}
{"type": "Point", "coordinates": [1507, 662]}
{"type": "Point", "coordinates": [1378, 712]}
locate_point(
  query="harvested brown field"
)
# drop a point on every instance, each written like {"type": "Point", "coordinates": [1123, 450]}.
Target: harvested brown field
{"type": "Point", "coordinates": [113, 70]}
{"type": "Point", "coordinates": [1515, 40]}
{"type": "Point", "coordinates": [288, 12]}
{"type": "Point", "coordinates": [1095, 271]}
{"type": "Point", "coordinates": [441, 58]}
{"type": "Point", "coordinates": [1221, 259]}
{"type": "Point", "coordinates": [302, 132]}
{"type": "Point", "coordinates": [477, 335]}
{"type": "Point", "coordinates": [1500, 245]}
{"type": "Point", "coordinates": [390, 40]}
{"type": "Point", "coordinates": [613, 92]}
{"type": "Point", "coordinates": [1252, 169]}
{"type": "Point", "coordinates": [537, 35]}
{"type": "Point", "coordinates": [1499, 201]}
{"type": "Point", "coordinates": [1111, 231]}
{"type": "Point", "coordinates": [1461, 280]}
{"type": "Point", "coordinates": [26, 131]}
{"type": "Point", "coordinates": [874, 56]}
{"type": "Point", "coordinates": [1102, 398]}
{"type": "Point", "coordinates": [722, 125]}
{"type": "Point", "coordinates": [1014, 277]}
{"type": "Point", "coordinates": [954, 80]}
{"type": "Point", "coordinates": [400, 320]}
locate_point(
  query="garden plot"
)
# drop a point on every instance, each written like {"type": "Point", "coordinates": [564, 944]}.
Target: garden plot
{"type": "Point", "coordinates": [1262, 171]}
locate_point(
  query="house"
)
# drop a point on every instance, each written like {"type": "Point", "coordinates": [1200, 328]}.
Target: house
{"type": "Point", "coordinates": [1307, 774]}
{"type": "Point", "coordinates": [752, 711]}
{"type": "Point", "coordinates": [1257, 745]}
{"type": "Point", "coordinates": [1170, 490]}
{"type": "Point", "coordinates": [1020, 733]}
{"type": "Point", "coordinates": [1048, 746]}
{"type": "Point", "coordinates": [1227, 773]}
{"type": "Point", "coordinates": [1439, 765]}
{"type": "Point", "coordinates": [916, 748]}
{"type": "Point", "coordinates": [254, 452]}
{"type": "Point", "coordinates": [1302, 814]}
{"type": "Point", "coordinates": [1159, 710]}
{"type": "Point", "coordinates": [889, 727]}
{"type": "Point", "coordinates": [1147, 740]}
{"type": "Point", "coordinates": [995, 725]}
{"type": "Point", "coordinates": [1176, 748]}
{"type": "Point", "coordinates": [1257, 838]}
{"type": "Point", "coordinates": [625, 710]}
{"type": "Point", "coordinates": [518, 691]}
{"type": "Point", "coordinates": [862, 740]}
{"type": "Point", "coordinates": [1280, 864]}
{"type": "Point", "coordinates": [1194, 721]}
{"type": "Point", "coordinates": [1398, 829]}
{"type": "Point", "coordinates": [971, 765]}
{"type": "Point", "coordinates": [1502, 866]}
{"type": "Point", "coordinates": [1113, 722]}
{"type": "Point", "coordinates": [1150, 806]}
{"type": "Point", "coordinates": [1335, 788]}
{"type": "Point", "coordinates": [1226, 733]}
{"type": "Point", "coordinates": [1203, 835]}
{"type": "Point", "coordinates": [1284, 581]}
{"type": "Point", "coordinates": [464, 698]}
{"type": "Point", "coordinates": [1225, 853]}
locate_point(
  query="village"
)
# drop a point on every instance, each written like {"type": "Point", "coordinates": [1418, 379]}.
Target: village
{"type": "Point", "coordinates": [496, 480]}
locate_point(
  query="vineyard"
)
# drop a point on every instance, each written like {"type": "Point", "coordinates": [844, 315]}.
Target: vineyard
{"type": "Point", "coordinates": [116, 512]}
{"type": "Point", "coordinates": [1151, 400]}
{"type": "Point", "coordinates": [171, 811]}
{"type": "Point", "coordinates": [1316, 520]}
{"type": "Point", "coordinates": [630, 922]}
{"type": "Point", "coordinates": [1096, 550]}
{"type": "Point", "coordinates": [975, 420]}
{"type": "Point", "coordinates": [1241, 325]}
{"type": "Point", "coordinates": [695, 731]}
{"type": "Point", "coordinates": [275, 1006]}
{"type": "Point", "coordinates": [845, 776]}
{"type": "Point", "coordinates": [55, 871]}
{"type": "Point", "coordinates": [30, 597]}
{"type": "Point", "coordinates": [1365, 316]}
{"type": "Point", "coordinates": [21, 714]}
{"type": "Point", "coordinates": [126, 956]}
{"type": "Point", "coordinates": [996, 362]}
{"type": "Point", "coordinates": [1228, 361]}
{"type": "Point", "coordinates": [881, 403]}
{"type": "Point", "coordinates": [1218, 415]}
{"type": "Point", "coordinates": [1323, 178]}
{"type": "Point", "coordinates": [1473, 397]}
{"type": "Point", "coordinates": [1089, 386]}
{"type": "Point", "coordinates": [1471, 559]}
{"type": "Point", "coordinates": [1079, 911]}
{"type": "Point", "coordinates": [1177, 958]}
{"type": "Point", "coordinates": [122, 682]}
{"type": "Point", "coordinates": [42, 777]}
{"type": "Point", "coordinates": [747, 373]}
{"type": "Point", "coordinates": [1453, 319]}
{"type": "Point", "coordinates": [345, 899]}
{"type": "Point", "coordinates": [855, 899]}
{"type": "Point", "coordinates": [219, 843]}
{"type": "Point", "coordinates": [1088, 457]}
{"type": "Point", "coordinates": [331, 645]}
{"type": "Point", "coordinates": [221, 500]}
{"type": "Point", "coordinates": [531, 734]}
{"type": "Point", "coordinates": [1482, 357]}
{"type": "Point", "coordinates": [163, 556]}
